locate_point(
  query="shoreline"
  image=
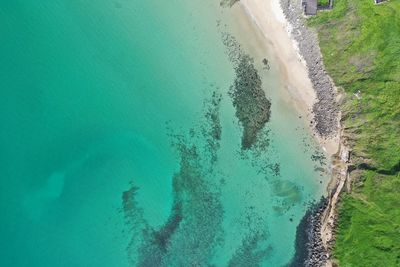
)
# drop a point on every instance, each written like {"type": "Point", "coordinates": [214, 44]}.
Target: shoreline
{"type": "Point", "coordinates": [299, 85]}
{"type": "Point", "coordinates": [314, 94]}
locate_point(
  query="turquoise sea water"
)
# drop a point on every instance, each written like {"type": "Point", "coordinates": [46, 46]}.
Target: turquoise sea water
{"type": "Point", "coordinates": [120, 144]}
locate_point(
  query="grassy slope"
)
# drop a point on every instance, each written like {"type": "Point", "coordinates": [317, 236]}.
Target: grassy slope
{"type": "Point", "coordinates": [360, 43]}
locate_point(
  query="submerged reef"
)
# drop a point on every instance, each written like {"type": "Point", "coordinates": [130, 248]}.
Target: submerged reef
{"type": "Point", "coordinates": [253, 109]}
{"type": "Point", "coordinates": [212, 130]}
{"type": "Point", "coordinates": [164, 234]}
{"type": "Point", "coordinates": [194, 227]}
{"type": "Point", "coordinates": [252, 106]}
{"type": "Point", "coordinates": [254, 248]}
{"type": "Point", "coordinates": [249, 253]}
{"type": "Point", "coordinates": [193, 232]}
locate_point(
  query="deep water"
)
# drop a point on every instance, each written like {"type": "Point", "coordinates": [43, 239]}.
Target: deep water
{"type": "Point", "coordinates": [141, 133]}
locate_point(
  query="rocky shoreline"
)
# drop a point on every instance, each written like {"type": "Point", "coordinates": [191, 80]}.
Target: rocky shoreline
{"type": "Point", "coordinates": [325, 110]}
{"type": "Point", "coordinates": [314, 235]}
{"type": "Point", "coordinates": [315, 238]}
{"type": "Point", "coordinates": [310, 250]}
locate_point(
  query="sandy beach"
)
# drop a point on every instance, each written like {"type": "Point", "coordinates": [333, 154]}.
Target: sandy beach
{"type": "Point", "coordinates": [269, 22]}
{"type": "Point", "coordinates": [267, 15]}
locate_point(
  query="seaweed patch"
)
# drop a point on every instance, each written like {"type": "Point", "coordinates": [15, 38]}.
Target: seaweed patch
{"type": "Point", "coordinates": [212, 129]}
{"type": "Point", "coordinates": [254, 248]}
{"type": "Point", "coordinates": [164, 234]}
{"type": "Point", "coordinates": [194, 227]}
{"type": "Point", "coordinates": [319, 157]}
{"type": "Point", "coordinates": [228, 3]}
{"type": "Point", "coordinates": [249, 253]}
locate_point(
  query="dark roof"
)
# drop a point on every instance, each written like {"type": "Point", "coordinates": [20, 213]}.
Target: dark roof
{"type": "Point", "coordinates": [310, 7]}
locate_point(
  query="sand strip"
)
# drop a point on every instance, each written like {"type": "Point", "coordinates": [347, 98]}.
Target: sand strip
{"type": "Point", "coordinates": [270, 20]}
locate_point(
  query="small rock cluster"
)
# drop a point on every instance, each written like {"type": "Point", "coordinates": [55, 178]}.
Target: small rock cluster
{"type": "Point", "coordinates": [326, 108]}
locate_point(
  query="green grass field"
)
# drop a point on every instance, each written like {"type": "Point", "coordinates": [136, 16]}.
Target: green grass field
{"type": "Point", "coordinates": [323, 2]}
{"type": "Point", "coordinates": [360, 43]}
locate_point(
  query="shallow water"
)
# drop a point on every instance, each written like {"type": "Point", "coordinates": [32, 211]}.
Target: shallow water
{"type": "Point", "coordinates": [121, 145]}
